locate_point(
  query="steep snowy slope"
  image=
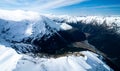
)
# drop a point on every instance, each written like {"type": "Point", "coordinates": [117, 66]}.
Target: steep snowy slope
{"type": "Point", "coordinates": [17, 30]}
{"type": "Point", "coordinates": [18, 27]}
{"type": "Point", "coordinates": [8, 58]}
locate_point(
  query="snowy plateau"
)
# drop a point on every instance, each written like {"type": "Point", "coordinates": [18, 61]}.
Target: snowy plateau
{"type": "Point", "coordinates": [22, 33]}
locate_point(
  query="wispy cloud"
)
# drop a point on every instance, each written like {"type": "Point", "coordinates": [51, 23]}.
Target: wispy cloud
{"type": "Point", "coordinates": [60, 3]}
{"type": "Point", "coordinates": [37, 4]}
{"type": "Point", "coordinates": [100, 7]}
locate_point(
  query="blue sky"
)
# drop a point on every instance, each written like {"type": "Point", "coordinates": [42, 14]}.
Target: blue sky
{"type": "Point", "coordinates": [70, 7]}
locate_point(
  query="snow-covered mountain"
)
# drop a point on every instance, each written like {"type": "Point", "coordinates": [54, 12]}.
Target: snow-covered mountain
{"type": "Point", "coordinates": [25, 34]}
{"type": "Point", "coordinates": [20, 26]}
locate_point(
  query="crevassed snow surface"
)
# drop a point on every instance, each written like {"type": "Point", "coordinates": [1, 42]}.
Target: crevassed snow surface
{"type": "Point", "coordinates": [16, 25]}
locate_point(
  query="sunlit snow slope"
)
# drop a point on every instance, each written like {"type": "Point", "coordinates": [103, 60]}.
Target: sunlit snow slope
{"type": "Point", "coordinates": [8, 58]}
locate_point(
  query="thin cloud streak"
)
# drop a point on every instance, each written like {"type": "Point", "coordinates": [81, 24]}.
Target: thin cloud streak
{"type": "Point", "coordinates": [102, 6]}
{"type": "Point", "coordinates": [61, 3]}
